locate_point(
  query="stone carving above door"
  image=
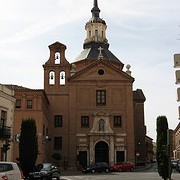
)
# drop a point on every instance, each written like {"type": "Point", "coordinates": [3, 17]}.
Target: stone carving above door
{"type": "Point", "coordinates": [101, 123]}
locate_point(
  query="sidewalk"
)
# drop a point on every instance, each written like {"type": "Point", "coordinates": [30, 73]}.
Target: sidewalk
{"type": "Point", "coordinates": [143, 168]}
{"type": "Point", "coordinates": [70, 172]}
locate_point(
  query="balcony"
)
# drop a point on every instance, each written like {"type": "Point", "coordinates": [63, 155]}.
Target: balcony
{"type": "Point", "coordinates": [5, 132]}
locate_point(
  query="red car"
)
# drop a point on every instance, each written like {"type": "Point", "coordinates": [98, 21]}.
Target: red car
{"type": "Point", "coordinates": [122, 166]}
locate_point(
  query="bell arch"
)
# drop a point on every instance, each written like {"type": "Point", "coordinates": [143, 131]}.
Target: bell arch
{"type": "Point", "coordinates": [52, 78]}
{"type": "Point", "coordinates": [62, 78]}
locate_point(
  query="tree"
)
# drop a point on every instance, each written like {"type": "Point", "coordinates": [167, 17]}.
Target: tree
{"type": "Point", "coordinates": [28, 146]}
{"type": "Point", "coordinates": [161, 149]}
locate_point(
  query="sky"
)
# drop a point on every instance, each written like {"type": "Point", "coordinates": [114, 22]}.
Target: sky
{"type": "Point", "coordinates": [142, 33]}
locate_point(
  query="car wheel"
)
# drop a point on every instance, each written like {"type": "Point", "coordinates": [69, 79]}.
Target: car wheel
{"type": "Point", "coordinates": [106, 170]}
{"type": "Point", "coordinates": [93, 171]}
{"type": "Point", "coordinates": [131, 169]}
{"type": "Point", "coordinates": [120, 170]}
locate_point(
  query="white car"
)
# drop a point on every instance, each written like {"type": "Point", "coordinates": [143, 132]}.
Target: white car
{"type": "Point", "coordinates": [10, 171]}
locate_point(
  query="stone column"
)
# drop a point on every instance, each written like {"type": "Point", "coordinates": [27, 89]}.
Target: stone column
{"type": "Point", "coordinates": [91, 151]}
{"type": "Point", "coordinates": [111, 150]}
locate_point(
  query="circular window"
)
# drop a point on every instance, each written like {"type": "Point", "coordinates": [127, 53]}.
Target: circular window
{"type": "Point", "coordinates": [100, 71]}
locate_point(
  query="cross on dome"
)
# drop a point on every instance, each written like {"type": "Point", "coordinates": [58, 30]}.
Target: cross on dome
{"type": "Point", "coordinates": [100, 50]}
{"type": "Point", "coordinates": [100, 56]}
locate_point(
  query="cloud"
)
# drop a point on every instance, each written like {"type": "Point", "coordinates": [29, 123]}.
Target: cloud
{"type": "Point", "coordinates": [142, 33]}
{"type": "Point", "coordinates": [36, 20]}
{"type": "Point", "coordinates": [37, 29]}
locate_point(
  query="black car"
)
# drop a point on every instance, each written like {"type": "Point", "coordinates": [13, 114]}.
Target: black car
{"type": "Point", "coordinates": [96, 167]}
{"type": "Point", "coordinates": [45, 171]}
{"type": "Point", "coordinates": [178, 166]}
{"type": "Point", "coordinates": [174, 163]}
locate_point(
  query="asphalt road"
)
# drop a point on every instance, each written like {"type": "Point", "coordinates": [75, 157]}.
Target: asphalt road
{"type": "Point", "coordinates": [149, 173]}
{"type": "Point", "coordinates": [121, 175]}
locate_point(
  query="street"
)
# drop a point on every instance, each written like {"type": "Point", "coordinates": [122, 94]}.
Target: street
{"type": "Point", "coordinates": [141, 174]}
{"type": "Point", "coordinates": [120, 175]}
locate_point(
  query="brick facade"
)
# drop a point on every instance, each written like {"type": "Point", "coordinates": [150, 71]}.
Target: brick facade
{"type": "Point", "coordinates": [88, 108]}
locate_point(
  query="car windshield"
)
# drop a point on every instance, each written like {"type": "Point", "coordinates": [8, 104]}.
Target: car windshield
{"type": "Point", "coordinates": [46, 167]}
{"type": "Point", "coordinates": [119, 163]}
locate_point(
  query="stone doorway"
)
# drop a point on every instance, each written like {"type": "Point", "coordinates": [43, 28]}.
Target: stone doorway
{"type": "Point", "coordinates": [82, 158]}
{"type": "Point", "coordinates": [120, 156]}
{"type": "Point", "coordinates": [102, 152]}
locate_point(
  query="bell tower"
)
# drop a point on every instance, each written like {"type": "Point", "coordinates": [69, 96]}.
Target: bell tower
{"type": "Point", "coordinates": [95, 27]}
{"type": "Point", "coordinates": [96, 46]}
{"type": "Point", "coordinates": [56, 69]}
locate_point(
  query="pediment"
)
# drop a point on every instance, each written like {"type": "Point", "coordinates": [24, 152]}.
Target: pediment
{"type": "Point", "coordinates": [101, 71]}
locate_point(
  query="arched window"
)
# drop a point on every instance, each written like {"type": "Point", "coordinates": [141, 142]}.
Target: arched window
{"type": "Point", "coordinates": [57, 58]}
{"type": "Point", "coordinates": [62, 78]}
{"type": "Point", "coordinates": [101, 125]}
{"type": "Point", "coordinates": [89, 33]}
{"type": "Point", "coordinates": [52, 78]}
{"type": "Point", "coordinates": [96, 35]}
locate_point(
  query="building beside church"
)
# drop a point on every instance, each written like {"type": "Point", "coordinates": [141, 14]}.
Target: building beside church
{"type": "Point", "coordinates": [176, 142]}
{"type": "Point", "coordinates": [33, 104]}
{"type": "Point", "coordinates": [176, 134]}
{"type": "Point", "coordinates": [7, 103]}
{"type": "Point", "coordinates": [149, 149]}
{"type": "Point", "coordinates": [88, 110]}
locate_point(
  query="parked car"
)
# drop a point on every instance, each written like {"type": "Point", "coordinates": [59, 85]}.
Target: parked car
{"type": "Point", "coordinates": [122, 166]}
{"type": "Point", "coordinates": [96, 167]}
{"type": "Point", "coordinates": [174, 163]}
{"type": "Point", "coordinates": [178, 166]}
{"type": "Point", "coordinates": [45, 171]}
{"type": "Point", "coordinates": [10, 171]}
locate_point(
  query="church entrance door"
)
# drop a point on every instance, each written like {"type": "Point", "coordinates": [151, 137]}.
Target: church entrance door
{"type": "Point", "coordinates": [102, 152]}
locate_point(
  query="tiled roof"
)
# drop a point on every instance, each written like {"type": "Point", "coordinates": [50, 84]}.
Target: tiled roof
{"type": "Point", "coordinates": [16, 87]}
{"type": "Point", "coordinates": [91, 52]}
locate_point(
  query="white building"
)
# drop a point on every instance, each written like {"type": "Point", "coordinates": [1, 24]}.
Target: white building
{"type": "Point", "coordinates": [7, 102]}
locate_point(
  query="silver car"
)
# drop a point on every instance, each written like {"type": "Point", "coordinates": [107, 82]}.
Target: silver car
{"type": "Point", "coordinates": [10, 171]}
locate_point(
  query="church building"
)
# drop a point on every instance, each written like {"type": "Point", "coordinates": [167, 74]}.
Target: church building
{"type": "Point", "coordinates": [91, 112]}
{"type": "Point", "coordinates": [93, 105]}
